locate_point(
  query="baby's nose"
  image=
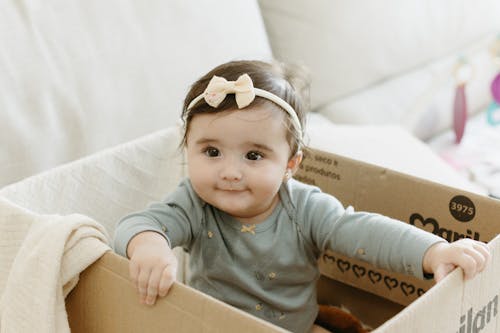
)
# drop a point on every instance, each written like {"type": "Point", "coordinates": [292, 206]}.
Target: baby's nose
{"type": "Point", "coordinates": [231, 171]}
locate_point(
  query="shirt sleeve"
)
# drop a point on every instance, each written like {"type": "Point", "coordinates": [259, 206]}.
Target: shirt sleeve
{"type": "Point", "coordinates": [382, 241]}
{"type": "Point", "coordinates": [177, 218]}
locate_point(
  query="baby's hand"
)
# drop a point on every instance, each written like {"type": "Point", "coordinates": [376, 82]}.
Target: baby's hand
{"type": "Point", "coordinates": [153, 266]}
{"type": "Point", "coordinates": [442, 258]}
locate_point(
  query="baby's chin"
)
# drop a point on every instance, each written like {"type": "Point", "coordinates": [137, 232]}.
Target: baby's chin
{"type": "Point", "coordinates": [237, 211]}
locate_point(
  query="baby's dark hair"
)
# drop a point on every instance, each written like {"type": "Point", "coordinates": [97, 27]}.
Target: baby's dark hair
{"type": "Point", "coordinates": [289, 82]}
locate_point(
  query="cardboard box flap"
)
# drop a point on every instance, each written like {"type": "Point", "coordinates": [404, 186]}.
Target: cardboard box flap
{"type": "Point", "coordinates": [455, 305]}
{"type": "Point", "coordinates": [105, 301]}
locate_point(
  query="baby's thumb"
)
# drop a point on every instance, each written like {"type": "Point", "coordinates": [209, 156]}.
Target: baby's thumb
{"type": "Point", "coordinates": [443, 270]}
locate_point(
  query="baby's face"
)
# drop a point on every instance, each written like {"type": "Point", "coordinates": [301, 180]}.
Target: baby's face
{"type": "Point", "coordinates": [237, 160]}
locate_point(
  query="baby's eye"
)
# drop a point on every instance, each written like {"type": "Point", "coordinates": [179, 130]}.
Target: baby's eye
{"type": "Point", "coordinates": [212, 152]}
{"type": "Point", "coordinates": [254, 156]}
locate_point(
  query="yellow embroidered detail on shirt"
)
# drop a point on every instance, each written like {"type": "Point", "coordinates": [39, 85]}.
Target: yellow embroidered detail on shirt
{"type": "Point", "coordinates": [248, 228]}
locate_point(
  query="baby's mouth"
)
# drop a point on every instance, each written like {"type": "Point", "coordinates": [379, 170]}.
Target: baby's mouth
{"type": "Point", "coordinates": [230, 189]}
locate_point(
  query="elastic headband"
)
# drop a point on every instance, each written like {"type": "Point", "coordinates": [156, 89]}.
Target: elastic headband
{"type": "Point", "coordinates": [244, 92]}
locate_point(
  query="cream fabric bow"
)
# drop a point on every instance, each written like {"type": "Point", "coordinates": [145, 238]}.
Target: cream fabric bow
{"type": "Point", "coordinates": [218, 88]}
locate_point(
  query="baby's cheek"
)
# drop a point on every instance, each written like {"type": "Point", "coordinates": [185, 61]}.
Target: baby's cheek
{"type": "Point", "coordinates": [271, 182]}
{"type": "Point", "coordinates": [201, 185]}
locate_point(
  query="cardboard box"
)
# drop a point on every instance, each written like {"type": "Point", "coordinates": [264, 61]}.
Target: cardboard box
{"type": "Point", "coordinates": [105, 301]}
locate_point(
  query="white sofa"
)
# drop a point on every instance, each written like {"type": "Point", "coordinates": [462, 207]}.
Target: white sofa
{"type": "Point", "coordinates": [80, 76]}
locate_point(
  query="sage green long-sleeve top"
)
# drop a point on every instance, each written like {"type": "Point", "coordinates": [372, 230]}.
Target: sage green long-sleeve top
{"type": "Point", "coordinates": [270, 269]}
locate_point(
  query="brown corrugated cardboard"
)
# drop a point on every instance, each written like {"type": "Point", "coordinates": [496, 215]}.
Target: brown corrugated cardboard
{"type": "Point", "coordinates": [105, 301]}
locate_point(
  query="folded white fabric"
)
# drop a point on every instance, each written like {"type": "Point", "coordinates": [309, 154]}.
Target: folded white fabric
{"type": "Point", "coordinates": [41, 257]}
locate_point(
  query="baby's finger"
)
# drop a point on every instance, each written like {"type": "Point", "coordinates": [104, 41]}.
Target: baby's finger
{"type": "Point", "coordinates": [133, 269]}
{"type": "Point", "coordinates": [167, 279]}
{"type": "Point", "coordinates": [152, 291]}
{"type": "Point", "coordinates": [468, 264]}
{"type": "Point", "coordinates": [442, 271]}
{"type": "Point", "coordinates": [485, 251]}
{"type": "Point", "coordinates": [142, 284]}
{"type": "Point", "coordinates": [478, 257]}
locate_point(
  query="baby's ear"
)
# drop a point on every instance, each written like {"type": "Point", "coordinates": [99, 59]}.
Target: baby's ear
{"type": "Point", "coordinates": [294, 162]}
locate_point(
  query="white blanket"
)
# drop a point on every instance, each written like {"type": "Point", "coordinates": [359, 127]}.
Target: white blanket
{"type": "Point", "coordinates": [41, 257]}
